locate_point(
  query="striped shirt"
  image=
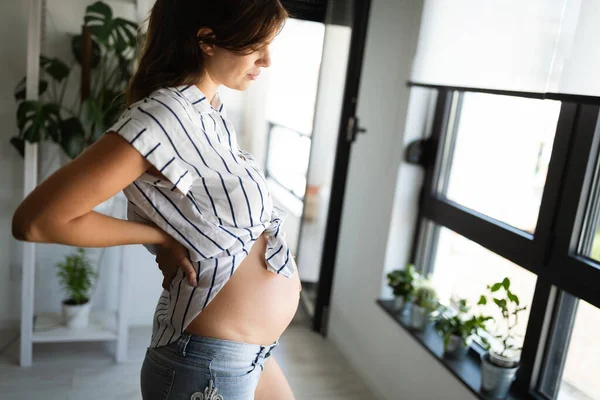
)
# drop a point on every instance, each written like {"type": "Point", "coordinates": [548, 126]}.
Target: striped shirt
{"type": "Point", "coordinates": [215, 203]}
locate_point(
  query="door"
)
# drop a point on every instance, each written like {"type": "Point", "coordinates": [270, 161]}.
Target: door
{"type": "Point", "coordinates": [335, 129]}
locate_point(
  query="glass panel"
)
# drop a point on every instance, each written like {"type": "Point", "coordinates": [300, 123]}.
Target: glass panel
{"type": "Point", "coordinates": [582, 367]}
{"type": "Point", "coordinates": [288, 158]}
{"type": "Point", "coordinates": [497, 155]}
{"type": "Point", "coordinates": [463, 269]}
{"type": "Point", "coordinates": [590, 235]}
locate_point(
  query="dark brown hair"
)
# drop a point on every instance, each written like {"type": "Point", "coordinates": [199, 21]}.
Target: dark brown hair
{"type": "Point", "coordinates": [172, 56]}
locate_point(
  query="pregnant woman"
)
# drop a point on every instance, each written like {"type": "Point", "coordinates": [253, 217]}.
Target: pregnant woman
{"type": "Point", "coordinates": [196, 201]}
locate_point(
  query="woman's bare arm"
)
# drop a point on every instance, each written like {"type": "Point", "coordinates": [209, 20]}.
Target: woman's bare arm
{"type": "Point", "coordinates": [59, 210]}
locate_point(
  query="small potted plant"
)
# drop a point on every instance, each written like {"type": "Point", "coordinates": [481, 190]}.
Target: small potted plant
{"type": "Point", "coordinates": [500, 363]}
{"type": "Point", "coordinates": [425, 302]}
{"type": "Point", "coordinates": [402, 284]}
{"type": "Point", "coordinates": [457, 328]}
{"type": "Point", "coordinates": [76, 275]}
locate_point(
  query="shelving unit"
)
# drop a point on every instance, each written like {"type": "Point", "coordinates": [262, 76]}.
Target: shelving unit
{"type": "Point", "coordinates": [104, 325]}
{"type": "Point", "coordinates": [48, 327]}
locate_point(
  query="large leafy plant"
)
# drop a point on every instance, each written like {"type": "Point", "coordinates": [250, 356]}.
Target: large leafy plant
{"type": "Point", "coordinates": [76, 277]}
{"type": "Point", "coordinates": [106, 55]}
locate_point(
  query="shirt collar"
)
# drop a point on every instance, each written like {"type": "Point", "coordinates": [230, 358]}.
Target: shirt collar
{"type": "Point", "coordinates": [199, 100]}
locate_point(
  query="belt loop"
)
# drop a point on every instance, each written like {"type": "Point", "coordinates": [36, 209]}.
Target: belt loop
{"type": "Point", "coordinates": [182, 343]}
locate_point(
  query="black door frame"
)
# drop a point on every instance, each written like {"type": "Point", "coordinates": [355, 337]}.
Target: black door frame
{"type": "Point", "coordinates": [346, 135]}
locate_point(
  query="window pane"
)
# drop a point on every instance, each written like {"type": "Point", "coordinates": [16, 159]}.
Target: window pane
{"type": "Point", "coordinates": [288, 158]}
{"type": "Point", "coordinates": [497, 155]}
{"type": "Point", "coordinates": [582, 367]}
{"type": "Point", "coordinates": [463, 269]}
{"type": "Point", "coordinates": [590, 235]}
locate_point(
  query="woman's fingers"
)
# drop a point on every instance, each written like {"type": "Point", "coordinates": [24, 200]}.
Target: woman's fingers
{"type": "Point", "coordinates": [186, 265]}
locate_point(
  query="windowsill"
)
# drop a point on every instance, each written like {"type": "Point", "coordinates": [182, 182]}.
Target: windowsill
{"type": "Point", "coordinates": [467, 370]}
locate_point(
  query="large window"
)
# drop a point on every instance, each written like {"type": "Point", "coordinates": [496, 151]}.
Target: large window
{"type": "Point", "coordinates": [514, 191]}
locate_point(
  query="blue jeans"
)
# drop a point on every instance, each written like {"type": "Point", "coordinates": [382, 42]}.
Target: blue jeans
{"type": "Point", "coordinates": [201, 368]}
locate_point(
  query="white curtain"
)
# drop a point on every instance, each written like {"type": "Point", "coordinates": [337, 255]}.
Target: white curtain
{"type": "Point", "coordinates": [519, 45]}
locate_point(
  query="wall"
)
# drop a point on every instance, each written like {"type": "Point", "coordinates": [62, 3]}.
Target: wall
{"type": "Point", "coordinates": [392, 363]}
{"type": "Point", "coordinates": [13, 34]}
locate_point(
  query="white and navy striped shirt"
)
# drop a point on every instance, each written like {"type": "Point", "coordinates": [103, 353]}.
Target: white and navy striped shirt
{"type": "Point", "coordinates": [216, 202]}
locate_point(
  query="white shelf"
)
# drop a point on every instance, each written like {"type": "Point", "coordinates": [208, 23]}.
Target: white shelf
{"type": "Point", "coordinates": [49, 328]}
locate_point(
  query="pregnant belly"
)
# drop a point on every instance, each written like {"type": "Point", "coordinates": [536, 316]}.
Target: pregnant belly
{"type": "Point", "coordinates": [254, 306]}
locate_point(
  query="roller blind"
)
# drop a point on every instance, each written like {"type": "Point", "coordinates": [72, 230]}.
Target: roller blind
{"type": "Point", "coordinates": [496, 44]}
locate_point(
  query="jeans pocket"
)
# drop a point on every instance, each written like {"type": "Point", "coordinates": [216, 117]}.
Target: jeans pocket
{"type": "Point", "coordinates": [230, 370]}
{"type": "Point", "coordinates": [156, 378]}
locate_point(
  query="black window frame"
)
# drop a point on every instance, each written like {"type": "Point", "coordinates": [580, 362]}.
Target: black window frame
{"type": "Point", "coordinates": [551, 253]}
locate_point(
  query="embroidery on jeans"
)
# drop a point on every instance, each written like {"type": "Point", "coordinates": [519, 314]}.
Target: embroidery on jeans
{"type": "Point", "coordinates": [210, 393]}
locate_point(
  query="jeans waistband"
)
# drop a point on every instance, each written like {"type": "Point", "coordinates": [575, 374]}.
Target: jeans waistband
{"type": "Point", "coordinates": [189, 343]}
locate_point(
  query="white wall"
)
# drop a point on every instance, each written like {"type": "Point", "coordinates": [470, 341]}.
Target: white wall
{"type": "Point", "coordinates": [379, 218]}
{"type": "Point", "coordinates": [13, 34]}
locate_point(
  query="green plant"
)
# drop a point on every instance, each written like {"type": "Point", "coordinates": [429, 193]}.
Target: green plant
{"type": "Point", "coordinates": [459, 323]}
{"type": "Point", "coordinates": [402, 282]}
{"type": "Point", "coordinates": [75, 276]}
{"type": "Point", "coordinates": [105, 52]}
{"type": "Point", "coordinates": [426, 296]}
{"type": "Point", "coordinates": [510, 307]}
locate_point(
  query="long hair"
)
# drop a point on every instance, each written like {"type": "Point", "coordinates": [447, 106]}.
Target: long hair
{"type": "Point", "coordinates": [171, 55]}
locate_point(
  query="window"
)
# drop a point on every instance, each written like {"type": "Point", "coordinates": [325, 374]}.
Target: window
{"type": "Point", "coordinates": [287, 158]}
{"type": "Point", "coordinates": [514, 191]}
{"type": "Point", "coordinates": [497, 154]}
{"type": "Point", "coordinates": [463, 269]}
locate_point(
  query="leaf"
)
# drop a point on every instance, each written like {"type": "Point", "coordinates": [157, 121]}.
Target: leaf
{"type": "Point", "coordinates": [72, 136]}
{"type": "Point", "coordinates": [76, 49]}
{"type": "Point", "coordinates": [496, 287]}
{"type": "Point", "coordinates": [506, 283]}
{"type": "Point", "coordinates": [55, 68]}
{"type": "Point", "coordinates": [21, 89]}
{"type": "Point", "coordinates": [500, 303]}
{"type": "Point", "coordinates": [117, 32]}
{"type": "Point", "coordinates": [512, 297]}
{"type": "Point", "coordinates": [37, 120]}
{"type": "Point", "coordinates": [19, 144]}
{"type": "Point", "coordinates": [482, 301]}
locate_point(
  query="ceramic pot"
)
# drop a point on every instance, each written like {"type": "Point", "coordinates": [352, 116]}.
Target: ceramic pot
{"type": "Point", "coordinates": [76, 316]}
{"type": "Point", "coordinates": [496, 380]}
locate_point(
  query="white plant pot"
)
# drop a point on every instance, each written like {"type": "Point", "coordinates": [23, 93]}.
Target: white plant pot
{"type": "Point", "coordinates": [76, 316]}
{"type": "Point", "coordinates": [496, 380]}
{"type": "Point", "coordinates": [402, 306]}
{"type": "Point", "coordinates": [420, 317]}
{"type": "Point", "coordinates": [456, 348]}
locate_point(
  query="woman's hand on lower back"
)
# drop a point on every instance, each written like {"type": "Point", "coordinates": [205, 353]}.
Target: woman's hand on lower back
{"type": "Point", "coordinates": [171, 256]}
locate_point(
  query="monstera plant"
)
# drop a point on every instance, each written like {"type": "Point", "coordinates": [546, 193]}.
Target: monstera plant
{"type": "Point", "coordinates": [105, 53]}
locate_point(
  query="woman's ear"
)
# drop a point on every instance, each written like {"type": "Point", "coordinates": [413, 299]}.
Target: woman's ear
{"type": "Point", "coordinates": [205, 33]}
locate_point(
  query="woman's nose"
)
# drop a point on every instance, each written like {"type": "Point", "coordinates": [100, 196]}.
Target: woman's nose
{"type": "Point", "coordinates": [265, 60]}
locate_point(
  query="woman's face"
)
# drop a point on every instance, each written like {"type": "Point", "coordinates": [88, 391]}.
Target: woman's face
{"type": "Point", "coordinates": [234, 70]}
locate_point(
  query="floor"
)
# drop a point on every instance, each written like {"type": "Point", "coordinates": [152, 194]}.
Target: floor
{"type": "Point", "coordinates": [86, 371]}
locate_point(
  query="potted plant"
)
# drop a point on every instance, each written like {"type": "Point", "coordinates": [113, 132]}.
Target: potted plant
{"type": "Point", "coordinates": [75, 276]}
{"type": "Point", "coordinates": [105, 52]}
{"type": "Point", "coordinates": [500, 363]}
{"type": "Point", "coordinates": [402, 284]}
{"type": "Point", "coordinates": [457, 328]}
{"type": "Point", "coordinates": [425, 302]}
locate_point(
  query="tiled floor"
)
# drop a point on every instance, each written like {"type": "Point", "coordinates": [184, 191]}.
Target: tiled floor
{"type": "Point", "coordinates": [86, 371]}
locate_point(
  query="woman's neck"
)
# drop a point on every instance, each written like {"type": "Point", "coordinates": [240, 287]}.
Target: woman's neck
{"type": "Point", "coordinates": [209, 88]}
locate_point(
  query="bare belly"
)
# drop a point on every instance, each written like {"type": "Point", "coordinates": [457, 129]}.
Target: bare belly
{"type": "Point", "coordinates": [254, 306]}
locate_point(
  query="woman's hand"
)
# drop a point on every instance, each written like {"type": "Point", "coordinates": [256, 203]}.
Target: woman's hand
{"type": "Point", "coordinates": [170, 256]}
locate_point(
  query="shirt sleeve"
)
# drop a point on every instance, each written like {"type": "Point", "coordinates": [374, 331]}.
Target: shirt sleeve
{"type": "Point", "coordinates": [158, 134]}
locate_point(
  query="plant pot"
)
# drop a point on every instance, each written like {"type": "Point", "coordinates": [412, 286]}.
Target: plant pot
{"type": "Point", "coordinates": [420, 317]}
{"type": "Point", "coordinates": [456, 348]}
{"type": "Point", "coordinates": [496, 380]}
{"type": "Point", "coordinates": [76, 316]}
{"type": "Point", "coordinates": [403, 306]}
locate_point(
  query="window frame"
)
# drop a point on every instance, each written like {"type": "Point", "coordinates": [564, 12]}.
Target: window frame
{"type": "Point", "coordinates": [551, 252]}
